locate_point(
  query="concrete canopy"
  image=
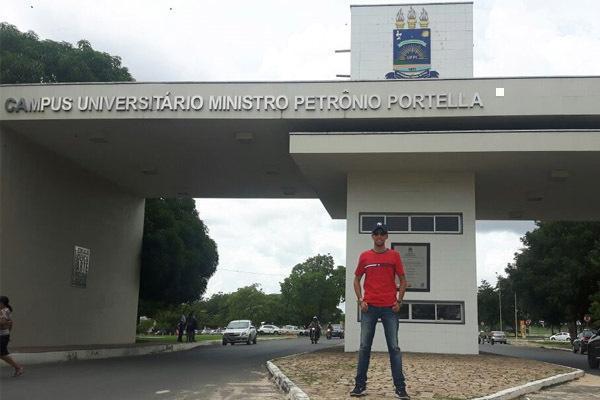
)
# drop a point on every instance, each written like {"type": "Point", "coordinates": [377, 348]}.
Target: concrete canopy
{"type": "Point", "coordinates": [535, 151]}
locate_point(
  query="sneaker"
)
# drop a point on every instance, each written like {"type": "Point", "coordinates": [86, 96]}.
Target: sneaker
{"type": "Point", "coordinates": [401, 394]}
{"type": "Point", "coordinates": [359, 391]}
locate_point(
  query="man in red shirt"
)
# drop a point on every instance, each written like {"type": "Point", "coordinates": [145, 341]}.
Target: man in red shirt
{"type": "Point", "coordinates": [381, 300]}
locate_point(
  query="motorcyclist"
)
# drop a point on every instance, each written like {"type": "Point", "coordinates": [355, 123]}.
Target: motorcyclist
{"type": "Point", "coordinates": [329, 330]}
{"type": "Point", "coordinates": [482, 337]}
{"type": "Point", "coordinates": [315, 324]}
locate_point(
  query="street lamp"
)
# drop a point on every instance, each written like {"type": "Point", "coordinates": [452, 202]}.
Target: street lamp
{"type": "Point", "coordinates": [515, 314]}
{"type": "Point", "coordinates": [500, 304]}
{"type": "Point", "coordinates": [499, 299]}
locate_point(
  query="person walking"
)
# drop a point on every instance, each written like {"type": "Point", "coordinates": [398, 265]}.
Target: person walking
{"type": "Point", "coordinates": [181, 328]}
{"type": "Point", "coordinates": [381, 300]}
{"type": "Point", "coordinates": [5, 328]}
{"type": "Point", "coordinates": [191, 327]}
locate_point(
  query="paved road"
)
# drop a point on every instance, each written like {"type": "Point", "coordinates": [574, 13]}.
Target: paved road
{"type": "Point", "coordinates": [207, 372]}
{"type": "Point", "coordinates": [561, 357]}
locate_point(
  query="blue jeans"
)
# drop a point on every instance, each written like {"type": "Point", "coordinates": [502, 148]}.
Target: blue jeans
{"type": "Point", "coordinates": [368, 324]}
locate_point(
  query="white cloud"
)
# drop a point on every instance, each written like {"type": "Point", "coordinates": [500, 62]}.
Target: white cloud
{"type": "Point", "coordinates": [495, 249]}
{"type": "Point", "coordinates": [268, 236]}
{"type": "Point", "coordinates": [536, 37]}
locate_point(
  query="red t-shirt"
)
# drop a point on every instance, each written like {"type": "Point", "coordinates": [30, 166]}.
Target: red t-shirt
{"type": "Point", "coordinates": [380, 280]}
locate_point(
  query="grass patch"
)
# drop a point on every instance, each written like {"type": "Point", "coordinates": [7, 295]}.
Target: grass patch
{"type": "Point", "coordinates": [540, 343]}
{"type": "Point", "coordinates": [172, 338]}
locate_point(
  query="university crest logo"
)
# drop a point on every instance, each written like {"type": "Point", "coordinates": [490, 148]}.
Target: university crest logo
{"type": "Point", "coordinates": [412, 47]}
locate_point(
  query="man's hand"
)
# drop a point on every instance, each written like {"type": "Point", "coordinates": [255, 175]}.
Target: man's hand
{"type": "Point", "coordinates": [396, 307]}
{"type": "Point", "coordinates": [364, 306]}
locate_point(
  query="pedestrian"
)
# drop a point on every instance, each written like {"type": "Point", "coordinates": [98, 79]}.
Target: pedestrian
{"type": "Point", "coordinates": [381, 300]}
{"type": "Point", "coordinates": [191, 327]}
{"type": "Point", "coordinates": [181, 328]}
{"type": "Point", "coordinates": [6, 324]}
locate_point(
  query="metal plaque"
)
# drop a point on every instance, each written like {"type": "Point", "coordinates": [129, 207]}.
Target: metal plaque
{"type": "Point", "coordinates": [81, 266]}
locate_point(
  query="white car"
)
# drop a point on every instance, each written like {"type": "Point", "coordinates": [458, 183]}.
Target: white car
{"type": "Point", "coordinates": [239, 331]}
{"type": "Point", "coordinates": [290, 330]}
{"type": "Point", "coordinates": [269, 330]}
{"type": "Point", "coordinates": [561, 336]}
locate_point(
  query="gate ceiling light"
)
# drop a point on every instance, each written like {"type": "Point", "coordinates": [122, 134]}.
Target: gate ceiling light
{"type": "Point", "coordinates": [515, 214]}
{"type": "Point", "coordinates": [288, 191]}
{"type": "Point", "coordinates": [98, 140]}
{"type": "Point", "coordinates": [271, 169]}
{"type": "Point", "coordinates": [559, 175]}
{"type": "Point", "coordinates": [244, 137]}
{"type": "Point", "coordinates": [535, 198]}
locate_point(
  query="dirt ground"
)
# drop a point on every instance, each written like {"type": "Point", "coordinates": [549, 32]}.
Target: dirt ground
{"type": "Point", "coordinates": [329, 374]}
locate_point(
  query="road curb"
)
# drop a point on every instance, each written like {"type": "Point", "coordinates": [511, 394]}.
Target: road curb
{"type": "Point", "coordinates": [292, 391]}
{"type": "Point", "coordinates": [534, 386]}
{"type": "Point", "coordinates": [96, 354]}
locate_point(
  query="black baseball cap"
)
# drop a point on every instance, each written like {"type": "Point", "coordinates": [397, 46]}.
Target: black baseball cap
{"type": "Point", "coordinates": [380, 227]}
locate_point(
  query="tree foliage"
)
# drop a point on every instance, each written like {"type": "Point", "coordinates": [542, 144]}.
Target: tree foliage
{"type": "Point", "coordinates": [315, 287]}
{"type": "Point", "coordinates": [178, 256]}
{"type": "Point", "coordinates": [491, 299]}
{"type": "Point", "coordinates": [487, 305]}
{"type": "Point", "coordinates": [595, 309]}
{"type": "Point", "coordinates": [24, 58]}
{"type": "Point", "coordinates": [252, 303]}
{"type": "Point", "coordinates": [558, 271]}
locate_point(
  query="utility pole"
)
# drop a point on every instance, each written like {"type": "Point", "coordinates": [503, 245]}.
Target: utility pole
{"type": "Point", "coordinates": [500, 305]}
{"type": "Point", "coordinates": [515, 315]}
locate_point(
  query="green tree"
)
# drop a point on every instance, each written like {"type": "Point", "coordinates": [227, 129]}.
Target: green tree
{"type": "Point", "coordinates": [178, 256]}
{"type": "Point", "coordinates": [315, 287]}
{"type": "Point", "coordinates": [557, 271]}
{"type": "Point", "coordinates": [24, 58]}
{"type": "Point", "coordinates": [252, 303]}
{"type": "Point", "coordinates": [595, 309]}
{"type": "Point", "coordinates": [487, 305]}
{"type": "Point", "coordinates": [216, 310]}
{"type": "Point", "coordinates": [144, 326]}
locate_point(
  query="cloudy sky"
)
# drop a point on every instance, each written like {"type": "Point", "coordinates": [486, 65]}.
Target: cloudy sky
{"type": "Point", "coordinates": [205, 40]}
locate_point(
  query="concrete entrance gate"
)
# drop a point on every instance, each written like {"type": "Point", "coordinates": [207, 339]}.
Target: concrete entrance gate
{"type": "Point", "coordinates": [430, 157]}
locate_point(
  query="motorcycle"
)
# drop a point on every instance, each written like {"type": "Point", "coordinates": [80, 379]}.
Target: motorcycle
{"type": "Point", "coordinates": [328, 334]}
{"type": "Point", "coordinates": [314, 335]}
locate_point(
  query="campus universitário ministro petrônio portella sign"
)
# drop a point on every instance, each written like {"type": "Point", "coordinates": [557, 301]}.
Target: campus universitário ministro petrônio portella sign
{"type": "Point", "coordinates": [264, 103]}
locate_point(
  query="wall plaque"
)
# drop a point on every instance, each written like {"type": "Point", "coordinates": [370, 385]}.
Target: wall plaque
{"type": "Point", "coordinates": [416, 260]}
{"type": "Point", "coordinates": [81, 265]}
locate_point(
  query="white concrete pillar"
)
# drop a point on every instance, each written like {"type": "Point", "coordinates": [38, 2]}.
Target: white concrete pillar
{"type": "Point", "coordinates": [452, 276]}
{"type": "Point", "coordinates": [49, 205]}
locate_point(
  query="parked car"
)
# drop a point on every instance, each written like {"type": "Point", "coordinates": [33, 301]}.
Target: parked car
{"type": "Point", "coordinates": [290, 330]}
{"type": "Point", "coordinates": [497, 337]}
{"type": "Point", "coordinates": [269, 330]}
{"type": "Point", "coordinates": [581, 341]}
{"type": "Point", "coordinates": [304, 332]}
{"type": "Point", "coordinates": [561, 336]}
{"type": "Point", "coordinates": [239, 331]}
{"type": "Point", "coordinates": [205, 331]}
{"type": "Point", "coordinates": [593, 350]}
